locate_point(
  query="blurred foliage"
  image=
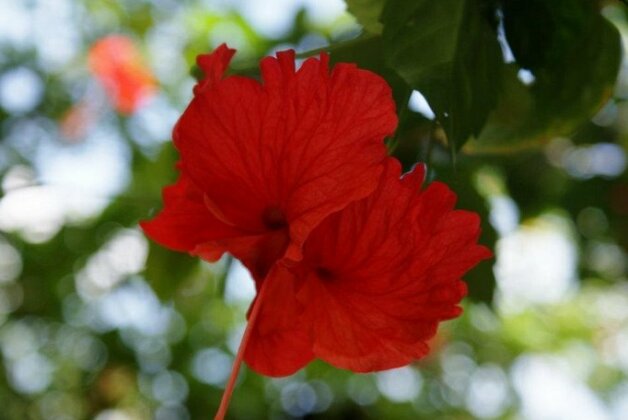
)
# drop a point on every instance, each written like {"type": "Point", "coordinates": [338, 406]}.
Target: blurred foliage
{"type": "Point", "coordinates": [450, 51]}
{"type": "Point", "coordinates": [564, 94]}
{"type": "Point", "coordinates": [95, 322]}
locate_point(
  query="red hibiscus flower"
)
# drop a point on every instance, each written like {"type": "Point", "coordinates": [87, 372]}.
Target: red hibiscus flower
{"type": "Point", "coordinates": [263, 163]}
{"type": "Point", "coordinates": [117, 64]}
{"type": "Point", "coordinates": [353, 263]}
{"type": "Point", "coordinates": [375, 280]}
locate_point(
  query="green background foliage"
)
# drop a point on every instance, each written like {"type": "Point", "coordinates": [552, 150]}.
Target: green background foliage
{"type": "Point", "coordinates": [526, 122]}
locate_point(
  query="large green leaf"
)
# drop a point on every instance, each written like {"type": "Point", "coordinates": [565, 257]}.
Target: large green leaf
{"type": "Point", "coordinates": [570, 87]}
{"type": "Point", "coordinates": [367, 12]}
{"type": "Point", "coordinates": [540, 32]}
{"type": "Point", "coordinates": [448, 50]}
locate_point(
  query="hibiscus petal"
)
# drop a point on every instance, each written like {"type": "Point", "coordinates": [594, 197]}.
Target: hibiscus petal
{"type": "Point", "coordinates": [257, 252]}
{"type": "Point", "coordinates": [383, 272]}
{"type": "Point", "coordinates": [347, 330]}
{"type": "Point", "coordinates": [279, 344]}
{"type": "Point", "coordinates": [281, 146]}
{"type": "Point", "coordinates": [214, 66]}
{"type": "Point", "coordinates": [185, 222]}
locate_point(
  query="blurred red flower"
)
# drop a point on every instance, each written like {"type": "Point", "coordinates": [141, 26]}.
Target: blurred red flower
{"type": "Point", "coordinates": [118, 65]}
{"type": "Point", "coordinates": [262, 164]}
{"type": "Point", "coordinates": [375, 280]}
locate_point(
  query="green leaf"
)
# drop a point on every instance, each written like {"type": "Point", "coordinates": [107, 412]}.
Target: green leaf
{"type": "Point", "coordinates": [566, 93]}
{"type": "Point", "coordinates": [166, 270]}
{"type": "Point", "coordinates": [367, 12]}
{"type": "Point", "coordinates": [448, 50]}
{"type": "Point", "coordinates": [540, 32]}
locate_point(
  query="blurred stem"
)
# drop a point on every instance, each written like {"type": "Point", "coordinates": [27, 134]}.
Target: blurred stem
{"type": "Point", "coordinates": [341, 45]}
{"type": "Point", "coordinates": [222, 280]}
{"type": "Point", "coordinates": [428, 154]}
{"type": "Point", "coordinates": [139, 200]}
{"type": "Point", "coordinates": [226, 396]}
{"type": "Point", "coordinates": [394, 141]}
{"type": "Point", "coordinates": [252, 67]}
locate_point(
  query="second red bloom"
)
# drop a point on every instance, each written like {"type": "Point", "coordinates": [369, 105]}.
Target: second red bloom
{"type": "Point", "coordinates": [263, 163]}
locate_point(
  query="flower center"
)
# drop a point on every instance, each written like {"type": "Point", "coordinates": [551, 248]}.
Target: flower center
{"type": "Point", "coordinates": [273, 218]}
{"type": "Point", "coordinates": [324, 273]}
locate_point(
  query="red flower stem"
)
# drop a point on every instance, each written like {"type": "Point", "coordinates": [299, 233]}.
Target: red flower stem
{"type": "Point", "coordinates": [226, 396]}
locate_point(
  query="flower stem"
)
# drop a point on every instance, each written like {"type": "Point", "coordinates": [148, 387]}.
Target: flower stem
{"type": "Point", "coordinates": [252, 67]}
{"type": "Point", "coordinates": [226, 396]}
